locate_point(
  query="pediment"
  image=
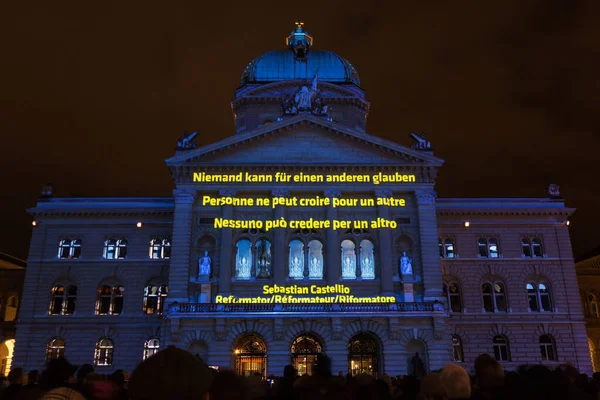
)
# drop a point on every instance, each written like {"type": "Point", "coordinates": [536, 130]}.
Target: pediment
{"type": "Point", "coordinates": [289, 88]}
{"type": "Point", "coordinates": [303, 140]}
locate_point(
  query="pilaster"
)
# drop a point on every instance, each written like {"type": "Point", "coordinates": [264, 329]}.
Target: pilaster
{"type": "Point", "coordinates": [280, 250]}
{"type": "Point", "coordinates": [180, 254]}
{"type": "Point", "coordinates": [226, 265]}
{"type": "Point", "coordinates": [386, 274]}
{"type": "Point", "coordinates": [429, 241]}
{"type": "Point", "coordinates": [333, 249]}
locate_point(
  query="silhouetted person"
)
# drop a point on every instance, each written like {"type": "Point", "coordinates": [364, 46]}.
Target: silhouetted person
{"type": "Point", "coordinates": [32, 378]}
{"type": "Point", "coordinates": [418, 367]}
{"type": "Point", "coordinates": [285, 387]}
{"type": "Point", "coordinates": [15, 388]}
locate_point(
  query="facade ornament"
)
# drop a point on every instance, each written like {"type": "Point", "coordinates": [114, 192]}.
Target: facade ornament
{"type": "Point", "coordinates": [306, 99]}
{"type": "Point", "coordinates": [420, 142]}
{"type": "Point", "coordinates": [405, 264]}
{"type": "Point", "coordinates": [337, 329]}
{"type": "Point", "coordinates": [280, 193]}
{"type": "Point", "coordinates": [187, 141]}
{"type": "Point", "coordinates": [204, 265]}
{"type": "Point", "coordinates": [227, 193]}
{"type": "Point", "coordinates": [184, 196]}
{"type": "Point", "coordinates": [439, 328]}
{"type": "Point", "coordinates": [383, 193]}
{"type": "Point", "coordinates": [47, 190]}
{"type": "Point", "coordinates": [278, 329]}
{"type": "Point", "coordinates": [426, 197]}
{"type": "Point", "coordinates": [553, 191]}
{"type": "Point", "coordinates": [220, 330]}
{"type": "Point", "coordinates": [394, 329]}
{"type": "Point", "coordinates": [332, 193]}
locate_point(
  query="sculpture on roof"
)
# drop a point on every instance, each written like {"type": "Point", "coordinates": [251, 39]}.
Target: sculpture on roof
{"type": "Point", "coordinates": [306, 99]}
{"type": "Point", "coordinates": [553, 190]}
{"type": "Point", "coordinates": [187, 142]}
{"type": "Point", "coordinates": [420, 143]}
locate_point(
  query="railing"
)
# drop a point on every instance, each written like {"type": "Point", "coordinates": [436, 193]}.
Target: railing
{"type": "Point", "coordinates": [189, 308]}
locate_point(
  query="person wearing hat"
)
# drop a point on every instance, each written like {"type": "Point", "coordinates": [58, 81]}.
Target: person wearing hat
{"type": "Point", "coordinates": [170, 374]}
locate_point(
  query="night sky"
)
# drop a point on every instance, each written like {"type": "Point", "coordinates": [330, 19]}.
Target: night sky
{"type": "Point", "coordinates": [95, 95]}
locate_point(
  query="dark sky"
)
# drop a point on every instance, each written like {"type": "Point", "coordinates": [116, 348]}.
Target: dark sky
{"type": "Point", "coordinates": [95, 94]}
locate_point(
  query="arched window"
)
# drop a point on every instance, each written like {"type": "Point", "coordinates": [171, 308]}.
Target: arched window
{"type": "Point", "coordinates": [482, 246]}
{"type": "Point", "coordinates": [453, 296]}
{"type": "Point", "coordinates": [69, 249]}
{"type": "Point", "coordinates": [104, 352]}
{"type": "Point", "coordinates": [545, 299]}
{"type": "Point", "coordinates": [526, 246]}
{"type": "Point", "coordinates": [296, 259]}
{"type": "Point", "coordinates": [488, 248]}
{"type": "Point", "coordinates": [155, 297]}
{"type": "Point", "coordinates": [536, 244]}
{"type": "Point", "coordinates": [584, 307]}
{"type": "Point", "coordinates": [110, 300]}
{"type": "Point", "coordinates": [548, 348]}
{"type": "Point", "coordinates": [263, 259]}
{"type": "Point", "coordinates": [494, 297]}
{"type": "Point", "coordinates": [115, 249]}
{"type": "Point", "coordinates": [493, 248]}
{"type": "Point", "coordinates": [593, 305]}
{"type": "Point", "coordinates": [151, 347]}
{"type": "Point", "coordinates": [532, 294]}
{"type": "Point", "coordinates": [367, 259]}
{"type": "Point", "coordinates": [457, 349]}
{"type": "Point", "coordinates": [243, 259]}
{"type": "Point", "coordinates": [315, 257]}
{"type": "Point", "coordinates": [10, 314]}
{"type": "Point", "coordinates": [251, 356]}
{"type": "Point", "coordinates": [305, 352]}
{"type": "Point", "coordinates": [348, 260]}
{"type": "Point", "coordinates": [160, 248]}
{"type": "Point", "coordinates": [63, 301]}
{"type": "Point", "coordinates": [446, 248]}
{"type": "Point", "coordinates": [501, 349]}
{"type": "Point", "coordinates": [55, 349]}
{"type": "Point", "coordinates": [363, 355]}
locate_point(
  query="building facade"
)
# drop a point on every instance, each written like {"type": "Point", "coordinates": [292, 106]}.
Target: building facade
{"type": "Point", "coordinates": [12, 275]}
{"type": "Point", "coordinates": [588, 275]}
{"type": "Point", "coordinates": [240, 267]}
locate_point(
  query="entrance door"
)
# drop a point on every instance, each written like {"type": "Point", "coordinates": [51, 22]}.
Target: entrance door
{"type": "Point", "coordinates": [363, 356]}
{"type": "Point", "coordinates": [251, 357]}
{"type": "Point", "coordinates": [305, 353]}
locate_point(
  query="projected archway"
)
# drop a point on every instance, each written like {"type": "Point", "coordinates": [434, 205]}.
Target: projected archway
{"type": "Point", "coordinates": [305, 351]}
{"type": "Point", "coordinates": [250, 356]}
{"type": "Point", "coordinates": [363, 355]}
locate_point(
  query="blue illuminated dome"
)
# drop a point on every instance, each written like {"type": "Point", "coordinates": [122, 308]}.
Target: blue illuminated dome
{"type": "Point", "coordinates": [299, 61]}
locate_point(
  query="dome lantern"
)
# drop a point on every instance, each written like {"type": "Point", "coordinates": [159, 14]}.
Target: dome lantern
{"type": "Point", "coordinates": [299, 41]}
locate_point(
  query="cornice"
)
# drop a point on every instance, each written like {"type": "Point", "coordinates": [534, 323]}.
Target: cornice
{"type": "Point", "coordinates": [505, 213]}
{"type": "Point", "coordinates": [95, 213]}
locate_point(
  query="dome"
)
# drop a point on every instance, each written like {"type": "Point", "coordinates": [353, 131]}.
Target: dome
{"type": "Point", "coordinates": [299, 61]}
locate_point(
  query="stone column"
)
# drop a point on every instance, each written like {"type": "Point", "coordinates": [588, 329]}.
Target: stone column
{"type": "Point", "coordinates": [179, 274]}
{"type": "Point", "coordinates": [226, 265]}
{"type": "Point", "coordinates": [386, 266]}
{"type": "Point", "coordinates": [428, 238]}
{"type": "Point", "coordinates": [332, 247]}
{"type": "Point", "coordinates": [280, 249]}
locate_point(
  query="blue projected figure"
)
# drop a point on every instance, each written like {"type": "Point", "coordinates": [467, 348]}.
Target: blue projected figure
{"type": "Point", "coordinates": [204, 265]}
{"type": "Point", "coordinates": [243, 260]}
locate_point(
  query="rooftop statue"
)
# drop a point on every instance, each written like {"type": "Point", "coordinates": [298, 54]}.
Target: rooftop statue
{"type": "Point", "coordinates": [306, 99]}
{"type": "Point", "coordinates": [420, 143]}
{"type": "Point", "coordinates": [187, 142]}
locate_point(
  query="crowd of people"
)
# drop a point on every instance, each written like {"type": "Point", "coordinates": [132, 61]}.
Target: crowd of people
{"type": "Point", "coordinates": [176, 374]}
